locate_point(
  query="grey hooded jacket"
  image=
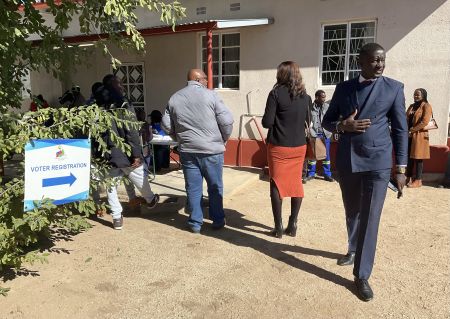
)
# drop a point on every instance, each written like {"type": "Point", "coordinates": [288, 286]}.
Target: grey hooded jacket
{"type": "Point", "coordinates": [198, 119]}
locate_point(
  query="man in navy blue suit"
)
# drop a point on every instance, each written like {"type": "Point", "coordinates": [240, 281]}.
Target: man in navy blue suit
{"type": "Point", "coordinates": [369, 113]}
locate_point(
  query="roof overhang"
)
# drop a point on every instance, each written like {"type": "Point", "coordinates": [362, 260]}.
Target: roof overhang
{"type": "Point", "coordinates": [239, 23]}
{"type": "Point", "coordinates": [179, 28]}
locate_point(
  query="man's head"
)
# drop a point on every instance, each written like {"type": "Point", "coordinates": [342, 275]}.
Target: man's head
{"type": "Point", "coordinates": [156, 116]}
{"type": "Point", "coordinates": [372, 60]}
{"type": "Point", "coordinates": [321, 97]}
{"type": "Point", "coordinates": [110, 81]}
{"type": "Point", "coordinates": [95, 87]}
{"type": "Point", "coordinates": [198, 75]}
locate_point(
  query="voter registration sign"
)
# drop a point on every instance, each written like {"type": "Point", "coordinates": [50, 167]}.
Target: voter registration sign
{"type": "Point", "coordinates": [57, 169]}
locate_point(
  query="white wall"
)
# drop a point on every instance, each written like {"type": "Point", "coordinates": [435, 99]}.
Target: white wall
{"type": "Point", "coordinates": [414, 33]}
{"type": "Point", "coordinates": [45, 84]}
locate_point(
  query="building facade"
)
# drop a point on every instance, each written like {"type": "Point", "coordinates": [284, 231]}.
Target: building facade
{"type": "Point", "coordinates": [251, 37]}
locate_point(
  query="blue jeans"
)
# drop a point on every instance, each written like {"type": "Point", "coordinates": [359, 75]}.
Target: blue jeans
{"type": "Point", "coordinates": [197, 166]}
{"type": "Point", "coordinates": [326, 163]}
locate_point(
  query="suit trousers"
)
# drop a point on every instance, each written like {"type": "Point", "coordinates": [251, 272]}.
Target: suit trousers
{"type": "Point", "coordinates": [363, 194]}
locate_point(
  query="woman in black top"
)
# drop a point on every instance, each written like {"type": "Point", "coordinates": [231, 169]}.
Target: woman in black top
{"type": "Point", "coordinates": [285, 117]}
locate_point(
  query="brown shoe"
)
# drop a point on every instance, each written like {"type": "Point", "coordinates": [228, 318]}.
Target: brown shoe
{"type": "Point", "coordinates": [408, 181]}
{"type": "Point", "coordinates": [416, 184]}
{"type": "Point", "coordinates": [136, 202]}
{"type": "Point", "coordinates": [100, 212]}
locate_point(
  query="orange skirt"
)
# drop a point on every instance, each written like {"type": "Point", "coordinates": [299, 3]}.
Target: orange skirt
{"type": "Point", "coordinates": [285, 169]}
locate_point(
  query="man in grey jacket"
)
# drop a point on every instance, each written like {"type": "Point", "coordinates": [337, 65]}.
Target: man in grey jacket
{"type": "Point", "coordinates": [317, 112]}
{"type": "Point", "coordinates": [201, 123]}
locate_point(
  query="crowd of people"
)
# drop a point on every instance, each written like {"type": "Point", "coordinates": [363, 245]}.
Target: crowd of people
{"type": "Point", "coordinates": [367, 113]}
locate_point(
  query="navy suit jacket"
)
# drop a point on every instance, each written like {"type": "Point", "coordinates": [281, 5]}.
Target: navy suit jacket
{"type": "Point", "coordinates": [371, 150]}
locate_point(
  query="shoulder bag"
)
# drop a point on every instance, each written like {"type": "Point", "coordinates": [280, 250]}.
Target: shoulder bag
{"type": "Point", "coordinates": [315, 147]}
{"type": "Point", "coordinates": [432, 125]}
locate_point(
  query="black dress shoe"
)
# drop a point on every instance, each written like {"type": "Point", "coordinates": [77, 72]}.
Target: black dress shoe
{"type": "Point", "coordinates": [365, 293]}
{"type": "Point", "coordinates": [307, 179]}
{"type": "Point", "coordinates": [328, 178]}
{"type": "Point", "coordinates": [348, 259]}
{"type": "Point", "coordinates": [217, 226]}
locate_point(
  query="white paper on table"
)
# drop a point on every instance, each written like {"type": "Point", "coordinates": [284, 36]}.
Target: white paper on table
{"type": "Point", "coordinates": [165, 138]}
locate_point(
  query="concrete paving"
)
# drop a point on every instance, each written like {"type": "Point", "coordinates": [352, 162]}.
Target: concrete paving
{"type": "Point", "coordinates": [170, 186]}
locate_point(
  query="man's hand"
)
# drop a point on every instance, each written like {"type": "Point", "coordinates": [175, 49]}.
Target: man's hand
{"type": "Point", "coordinates": [136, 162]}
{"type": "Point", "coordinates": [401, 181]}
{"type": "Point", "coordinates": [352, 125]}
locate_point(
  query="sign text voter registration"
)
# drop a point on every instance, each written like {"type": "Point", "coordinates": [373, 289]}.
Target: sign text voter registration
{"type": "Point", "coordinates": [56, 169]}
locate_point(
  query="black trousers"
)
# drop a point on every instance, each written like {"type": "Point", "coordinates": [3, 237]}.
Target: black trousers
{"type": "Point", "coordinates": [419, 168]}
{"type": "Point", "coordinates": [411, 162]}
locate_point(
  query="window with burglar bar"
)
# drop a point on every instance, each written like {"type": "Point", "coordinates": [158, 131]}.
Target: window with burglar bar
{"type": "Point", "coordinates": [226, 60]}
{"type": "Point", "coordinates": [132, 77]}
{"type": "Point", "coordinates": [340, 46]}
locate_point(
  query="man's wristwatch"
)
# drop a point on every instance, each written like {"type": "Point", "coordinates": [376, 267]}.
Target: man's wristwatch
{"type": "Point", "coordinates": [337, 127]}
{"type": "Point", "coordinates": [400, 170]}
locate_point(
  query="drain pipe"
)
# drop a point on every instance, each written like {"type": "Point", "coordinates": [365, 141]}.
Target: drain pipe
{"type": "Point", "coordinates": [253, 118]}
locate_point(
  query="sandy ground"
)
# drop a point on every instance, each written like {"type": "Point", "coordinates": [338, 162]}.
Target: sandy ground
{"type": "Point", "coordinates": [154, 268]}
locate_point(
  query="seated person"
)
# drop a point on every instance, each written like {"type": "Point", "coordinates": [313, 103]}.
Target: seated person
{"type": "Point", "coordinates": [38, 102]}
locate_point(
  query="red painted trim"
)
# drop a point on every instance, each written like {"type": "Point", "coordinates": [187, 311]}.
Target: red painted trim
{"type": "Point", "coordinates": [253, 153]}
{"type": "Point", "coordinates": [194, 27]}
{"type": "Point", "coordinates": [209, 57]}
{"type": "Point", "coordinates": [43, 5]}
{"type": "Point", "coordinates": [85, 38]}
{"type": "Point", "coordinates": [144, 32]}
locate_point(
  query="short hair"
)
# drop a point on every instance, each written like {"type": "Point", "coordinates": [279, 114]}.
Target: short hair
{"type": "Point", "coordinates": [319, 93]}
{"type": "Point", "coordinates": [369, 48]}
{"type": "Point", "coordinates": [95, 87]}
{"type": "Point", "coordinates": [107, 79]}
{"type": "Point", "coordinates": [140, 114]}
{"type": "Point", "coordinates": [156, 116]}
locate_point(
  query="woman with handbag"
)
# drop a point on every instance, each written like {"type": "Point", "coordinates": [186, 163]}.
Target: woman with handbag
{"type": "Point", "coordinates": [285, 113]}
{"type": "Point", "coordinates": [418, 115]}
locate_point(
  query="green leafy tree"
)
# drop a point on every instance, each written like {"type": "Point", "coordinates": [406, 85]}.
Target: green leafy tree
{"type": "Point", "coordinates": [28, 43]}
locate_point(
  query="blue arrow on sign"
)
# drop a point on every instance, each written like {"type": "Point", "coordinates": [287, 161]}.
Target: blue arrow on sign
{"type": "Point", "coordinates": [54, 181]}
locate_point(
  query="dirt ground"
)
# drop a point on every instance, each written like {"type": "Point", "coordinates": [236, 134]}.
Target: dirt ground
{"type": "Point", "coordinates": [154, 268]}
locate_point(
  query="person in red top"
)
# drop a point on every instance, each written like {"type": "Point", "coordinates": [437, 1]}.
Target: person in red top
{"type": "Point", "coordinates": [38, 103]}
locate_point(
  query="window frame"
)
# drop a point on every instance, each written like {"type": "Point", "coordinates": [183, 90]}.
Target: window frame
{"type": "Point", "coordinates": [220, 62]}
{"type": "Point", "coordinates": [348, 39]}
{"type": "Point", "coordinates": [127, 86]}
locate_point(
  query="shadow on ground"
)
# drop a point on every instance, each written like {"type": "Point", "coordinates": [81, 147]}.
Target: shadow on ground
{"type": "Point", "coordinates": [238, 232]}
{"type": "Point", "coordinates": [45, 244]}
